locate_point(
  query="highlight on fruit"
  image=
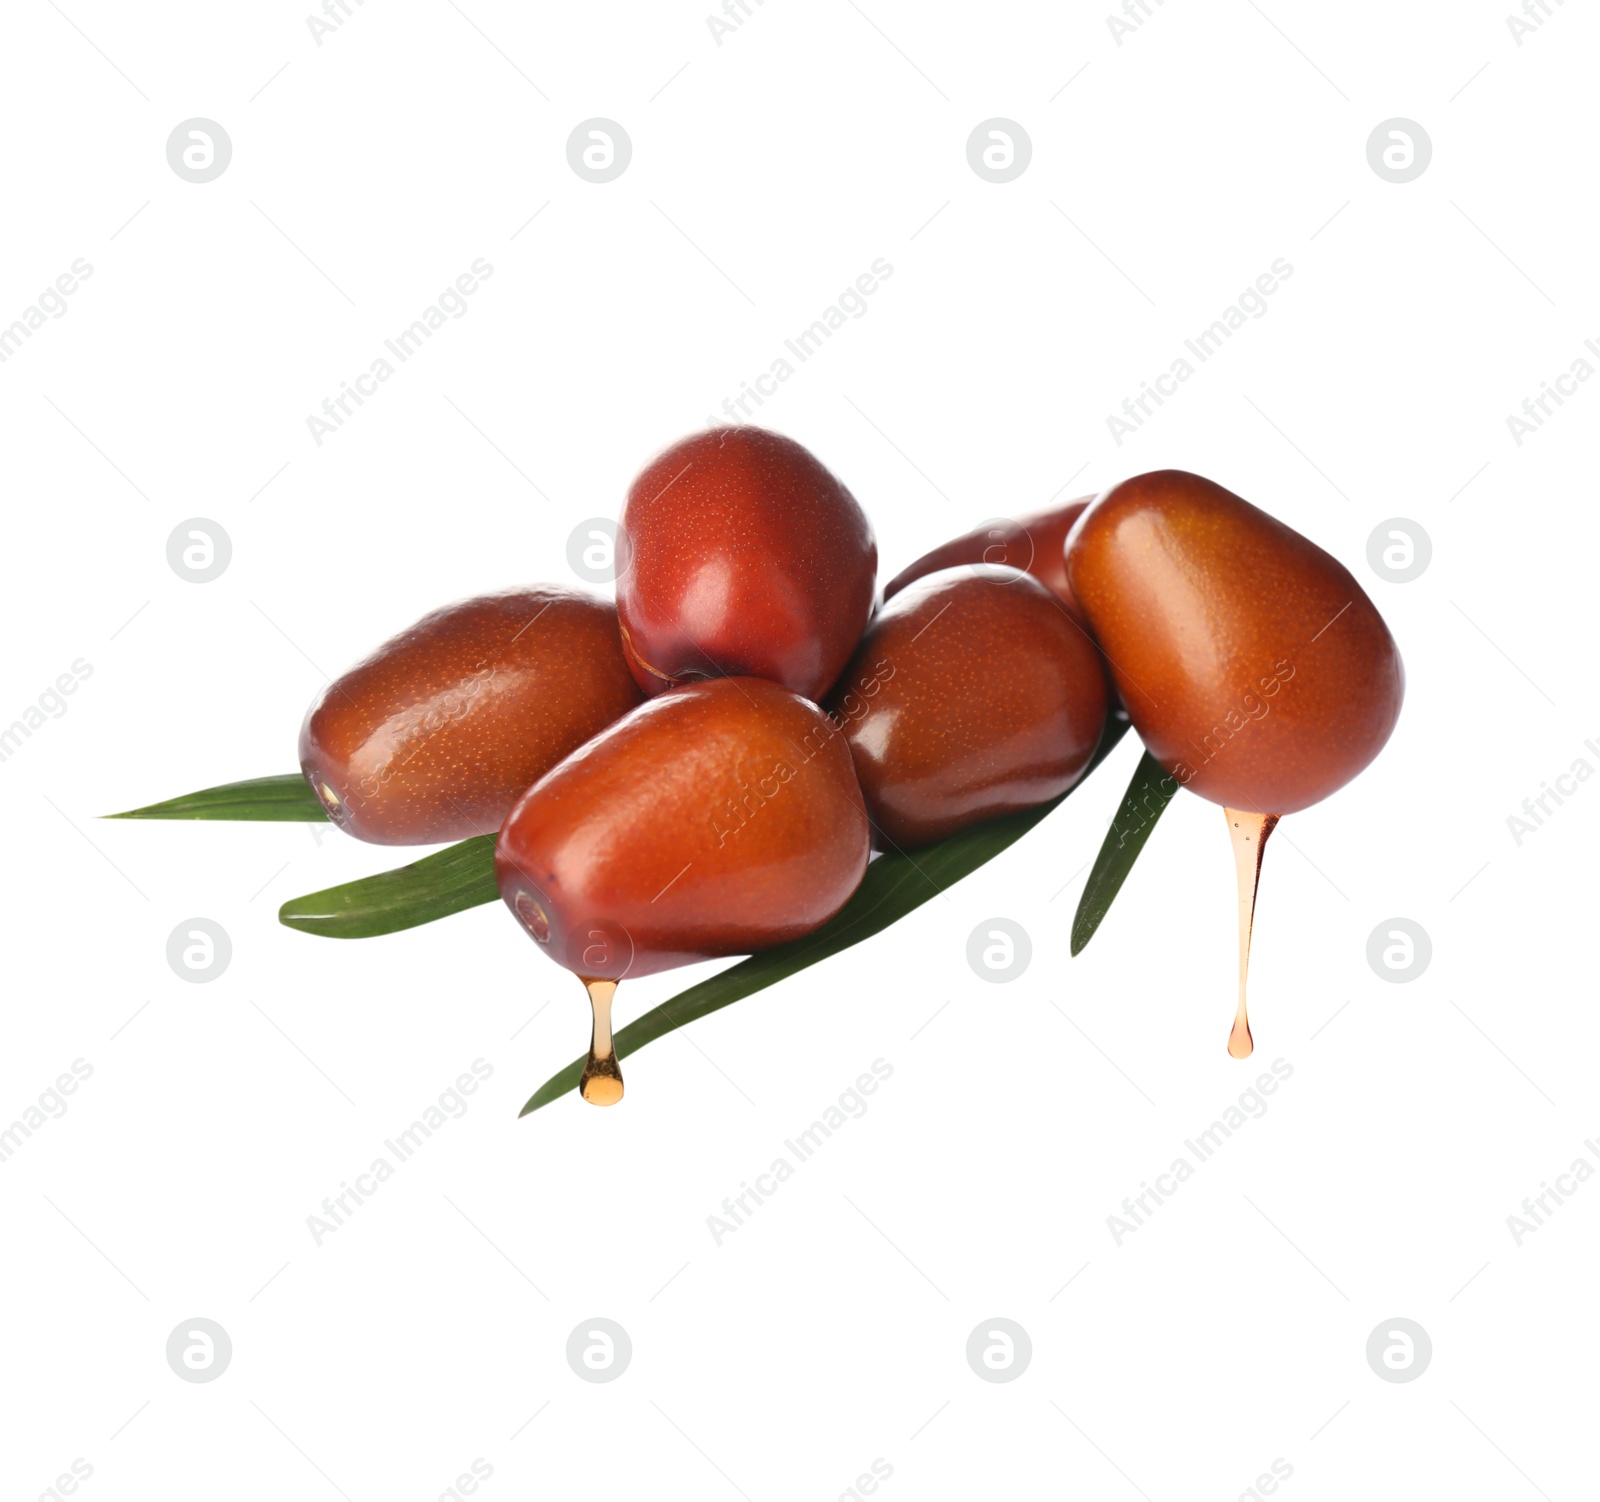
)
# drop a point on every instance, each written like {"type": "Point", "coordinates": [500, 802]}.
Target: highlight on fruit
{"type": "Point", "coordinates": [748, 754]}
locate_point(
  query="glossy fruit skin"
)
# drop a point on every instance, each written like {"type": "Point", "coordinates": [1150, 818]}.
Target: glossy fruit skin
{"type": "Point", "coordinates": [1035, 543]}
{"type": "Point", "coordinates": [719, 818]}
{"type": "Point", "coordinates": [439, 731]}
{"type": "Point", "coordinates": [973, 694]}
{"type": "Point", "coordinates": [1252, 663]}
{"type": "Point", "coordinates": [747, 557]}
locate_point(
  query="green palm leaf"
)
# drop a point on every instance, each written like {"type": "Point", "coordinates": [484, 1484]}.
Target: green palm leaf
{"type": "Point", "coordinates": [288, 799]}
{"type": "Point", "coordinates": [448, 881]}
{"type": "Point", "coordinates": [895, 884]}
{"type": "Point", "coordinates": [1148, 795]}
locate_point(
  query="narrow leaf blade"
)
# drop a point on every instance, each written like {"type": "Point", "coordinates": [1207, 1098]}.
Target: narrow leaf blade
{"type": "Point", "coordinates": [448, 881]}
{"type": "Point", "coordinates": [895, 885]}
{"type": "Point", "coordinates": [277, 799]}
{"type": "Point", "coordinates": [1148, 795]}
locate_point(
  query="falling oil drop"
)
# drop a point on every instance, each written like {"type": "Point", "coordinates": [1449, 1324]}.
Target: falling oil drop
{"type": "Point", "coordinates": [1249, 832]}
{"type": "Point", "coordinates": [601, 1084]}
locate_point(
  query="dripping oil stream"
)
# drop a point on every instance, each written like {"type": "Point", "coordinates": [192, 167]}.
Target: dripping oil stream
{"type": "Point", "coordinates": [1249, 832]}
{"type": "Point", "coordinates": [601, 1084]}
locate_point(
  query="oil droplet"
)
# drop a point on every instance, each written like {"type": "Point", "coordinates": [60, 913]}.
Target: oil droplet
{"type": "Point", "coordinates": [601, 1084]}
{"type": "Point", "coordinates": [1249, 832]}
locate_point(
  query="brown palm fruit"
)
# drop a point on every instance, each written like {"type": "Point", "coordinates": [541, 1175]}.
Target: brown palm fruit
{"type": "Point", "coordinates": [720, 818]}
{"type": "Point", "coordinates": [972, 694]}
{"type": "Point", "coordinates": [437, 733]}
{"type": "Point", "coordinates": [744, 556]}
{"type": "Point", "coordinates": [1034, 543]}
{"type": "Point", "coordinates": [1252, 663]}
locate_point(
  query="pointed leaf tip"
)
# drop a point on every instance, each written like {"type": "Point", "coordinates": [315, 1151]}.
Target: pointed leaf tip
{"type": "Point", "coordinates": [284, 799]}
{"type": "Point", "coordinates": [1148, 795]}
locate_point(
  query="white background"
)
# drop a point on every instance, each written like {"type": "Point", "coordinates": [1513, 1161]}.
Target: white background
{"type": "Point", "coordinates": [767, 174]}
